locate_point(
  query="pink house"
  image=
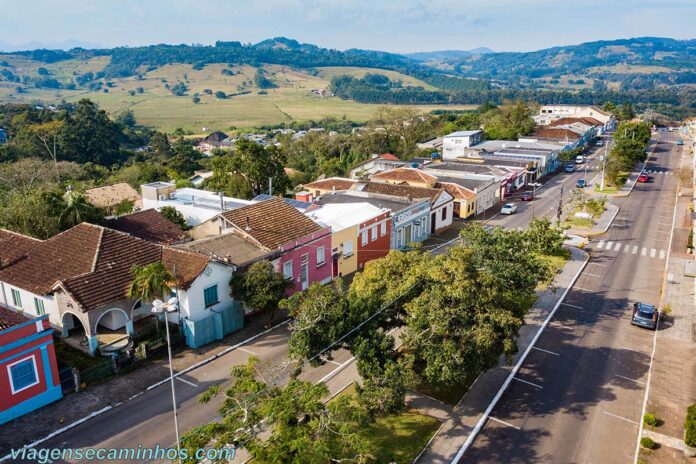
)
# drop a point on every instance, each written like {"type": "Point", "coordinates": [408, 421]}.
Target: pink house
{"type": "Point", "coordinates": [303, 247]}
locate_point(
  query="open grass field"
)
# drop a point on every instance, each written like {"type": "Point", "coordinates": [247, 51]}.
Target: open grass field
{"type": "Point", "coordinates": [291, 100]}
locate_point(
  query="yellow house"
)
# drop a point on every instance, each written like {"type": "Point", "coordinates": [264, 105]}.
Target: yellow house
{"type": "Point", "coordinates": [344, 220]}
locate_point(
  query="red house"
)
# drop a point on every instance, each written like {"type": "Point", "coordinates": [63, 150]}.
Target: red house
{"type": "Point", "coordinates": [374, 238]}
{"type": "Point", "coordinates": [28, 367]}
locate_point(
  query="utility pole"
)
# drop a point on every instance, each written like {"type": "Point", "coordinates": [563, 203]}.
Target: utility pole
{"type": "Point", "coordinates": [604, 163]}
{"type": "Point", "coordinates": [560, 208]}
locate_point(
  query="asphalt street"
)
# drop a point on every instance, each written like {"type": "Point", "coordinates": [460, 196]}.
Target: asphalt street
{"type": "Point", "coordinates": [579, 394]}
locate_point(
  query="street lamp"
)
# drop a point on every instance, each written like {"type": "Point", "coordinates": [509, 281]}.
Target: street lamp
{"type": "Point", "coordinates": [604, 163]}
{"type": "Point", "coordinates": [159, 307]}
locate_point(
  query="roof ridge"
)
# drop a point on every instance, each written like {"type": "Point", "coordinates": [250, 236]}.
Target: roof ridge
{"type": "Point", "coordinates": [98, 251]}
{"type": "Point", "coordinates": [21, 235]}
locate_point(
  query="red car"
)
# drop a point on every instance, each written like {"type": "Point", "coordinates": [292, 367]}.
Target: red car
{"type": "Point", "coordinates": [527, 196]}
{"type": "Point", "coordinates": [643, 178]}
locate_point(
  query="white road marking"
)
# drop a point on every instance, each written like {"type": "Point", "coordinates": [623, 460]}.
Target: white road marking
{"type": "Point", "coordinates": [617, 247]}
{"type": "Point", "coordinates": [662, 254]}
{"type": "Point", "coordinates": [652, 252]}
{"type": "Point", "coordinates": [600, 244]}
{"type": "Point", "coordinates": [528, 383]}
{"type": "Point", "coordinates": [590, 274]}
{"type": "Point", "coordinates": [545, 351]}
{"type": "Point", "coordinates": [334, 362]}
{"type": "Point", "coordinates": [622, 418]}
{"type": "Point", "coordinates": [626, 248]}
{"type": "Point", "coordinates": [186, 381]}
{"type": "Point", "coordinates": [632, 380]}
{"type": "Point", "coordinates": [609, 245]}
{"type": "Point", "coordinates": [644, 251]}
{"type": "Point", "coordinates": [503, 422]}
{"type": "Point", "coordinates": [247, 351]}
{"type": "Point", "coordinates": [635, 249]}
{"type": "Point", "coordinates": [572, 305]}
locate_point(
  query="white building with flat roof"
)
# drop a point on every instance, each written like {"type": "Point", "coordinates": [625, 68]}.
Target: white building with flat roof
{"type": "Point", "coordinates": [197, 206]}
{"type": "Point", "coordinates": [454, 145]}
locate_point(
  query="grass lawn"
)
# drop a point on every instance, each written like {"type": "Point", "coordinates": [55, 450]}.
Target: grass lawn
{"type": "Point", "coordinates": [399, 437]}
{"type": "Point", "coordinates": [556, 262]}
{"type": "Point", "coordinates": [447, 394]}
{"type": "Point", "coordinates": [606, 189]}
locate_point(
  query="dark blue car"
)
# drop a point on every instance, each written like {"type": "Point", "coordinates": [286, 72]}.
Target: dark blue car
{"type": "Point", "coordinates": [644, 315]}
{"type": "Point", "coordinates": [581, 184]}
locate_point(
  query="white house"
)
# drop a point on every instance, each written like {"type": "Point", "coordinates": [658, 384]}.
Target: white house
{"type": "Point", "coordinates": [549, 113]}
{"type": "Point", "coordinates": [80, 279]}
{"type": "Point", "coordinates": [454, 144]}
{"type": "Point", "coordinates": [196, 205]}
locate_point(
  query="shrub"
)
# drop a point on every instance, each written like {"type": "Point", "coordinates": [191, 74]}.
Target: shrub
{"type": "Point", "coordinates": [647, 442]}
{"type": "Point", "coordinates": [690, 426]}
{"type": "Point", "coordinates": [650, 419]}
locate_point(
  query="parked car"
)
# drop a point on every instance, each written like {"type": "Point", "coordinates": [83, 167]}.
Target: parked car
{"type": "Point", "coordinates": [508, 208]}
{"type": "Point", "coordinates": [643, 178]}
{"type": "Point", "coordinates": [570, 167]}
{"type": "Point", "coordinates": [644, 315]}
{"type": "Point", "coordinates": [527, 196]}
{"type": "Point", "coordinates": [579, 159]}
{"type": "Point", "coordinates": [600, 143]}
{"type": "Point", "coordinates": [581, 184]}
{"type": "Point", "coordinates": [680, 142]}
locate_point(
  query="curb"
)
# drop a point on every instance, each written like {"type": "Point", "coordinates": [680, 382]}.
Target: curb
{"type": "Point", "coordinates": [154, 385]}
{"type": "Point", "coordinates": [479, 425]}
{"type": "Point", "coordinates": [593, 233]}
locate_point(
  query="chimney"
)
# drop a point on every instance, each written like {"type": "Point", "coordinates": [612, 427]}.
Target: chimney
{"type": "Point", "coordinates": [248, 227]}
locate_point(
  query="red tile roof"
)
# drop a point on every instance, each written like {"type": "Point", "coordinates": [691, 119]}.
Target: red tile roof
{"type": "Point", "coordinates": [403, 191]}
{"type": "Point", "coordinates": [405, 175]}
{"type": "Point", "coordinates": [9, 318]}
{"type": "Point", "coordinates": [93, 264]}
{"type": "Point", "coordinates": [332, 183]}
{"type": "Point", "coordinates": [556, 133]}
{"type": "Point", "coordinates": [389, 156]}
{"type": "Point", "coordinates": [571, 120]}
{"type": "Point", "coordinates": [457, 191]}
{"type": "Point", "coordinates": [271, 223]}
{"type": "Point", "coordinates": [149, 225]}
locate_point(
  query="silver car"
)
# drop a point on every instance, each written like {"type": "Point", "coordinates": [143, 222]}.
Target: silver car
{"type": "Point", "coordinates": [644, 315]}
{"type": "Point", "coordinates": [508, 208]}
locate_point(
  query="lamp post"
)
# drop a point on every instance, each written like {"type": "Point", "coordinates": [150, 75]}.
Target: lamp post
{"type": "Point", "coordinates": [604, 163]}
{"type": "Point", "coordinates": [158, 307]}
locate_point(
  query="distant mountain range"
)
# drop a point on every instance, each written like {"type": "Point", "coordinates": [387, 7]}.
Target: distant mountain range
{"type": "Point", "coordinates": [64, 45]}
{"type": "Point", "coordinates": [448, 55]}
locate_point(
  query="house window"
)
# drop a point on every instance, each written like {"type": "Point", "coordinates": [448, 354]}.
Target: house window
{"type": "Point", "coordinates": [287, 270]}
{"type": "Point", "coordinates": [363, 236]}
{"type": "Point", "coordinates": [210, 295]}
{"type": "Point", "coordinates": [39, 306]}
{"type": "Point", "coordinates": [16, 298]}
{"type": "Point", "coordinates": [383, 229]}
{"type": "Point", "coordinates": [373, 232]}
{"type": "Point", "coordinates": [305, 258]}
{"type": "Point", "coordinates": [23, 374]}
{"type": "Point", "coordinates": [444, 213]}
{"type": "Point", "coordinates": [320, 256]}
{"type": "Point", "coordinates": [347, 248]}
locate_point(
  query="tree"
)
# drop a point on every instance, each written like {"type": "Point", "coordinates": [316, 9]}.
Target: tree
{"type": "Point", "coordinates": [185, 161]}
{"type": "Point", "coordinates": [159, 144]}
{"type": "Point", "coordinates": [220, 95]}
{"type": "Point", "coordinates": [28, 213]}
{"type": "Point", "coordinates": [261, 287]}
{"type": "Point", "coordinates": [196, 99]}
{"type": "Point", "coordinates": [127, 119]}
{"type": "Point", "coordinates": [75, 209]}
{"type": "Point", "coordinates": [301, 427]}
{"type": "Point", "coordinates": [48, 134]}
{"type": "Point", "coordinates": [175, 216]}
{"type": "Point", "coordinates": [543, 238]}
{"type": "Point", "coordinates": [258, 164]}
{"type": "Point", "coordinates": [509, 121]}
{"type": "Point", "coordinates": [179, 89]}
{"type": "Point", "coordinates": [88, 135]}
{"type": "Point", "coordinates": [151, 281]}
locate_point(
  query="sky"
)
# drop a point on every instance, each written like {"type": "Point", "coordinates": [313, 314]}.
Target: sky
{"type": "Point", "coordinates": [390, 25]}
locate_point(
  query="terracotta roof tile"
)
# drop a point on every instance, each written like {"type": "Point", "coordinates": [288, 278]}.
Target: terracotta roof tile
{"type": "Point", "coordinates": [457, 191]}
{"type": "Point", "coordinates": [94, 264]}
{"type": "Point", "coordinates": [272, 223]}
{"type": "Point", "coordinates": [556, 133]}
{"type": "Point", "coordinates": [571, 120]}
{"type": "Point", "coordinates": [149, 225]}
{"type": "Point", "coordinates": [405, 175]}
{"type": "Point", "coordinates": [398, 190]}
{"type": "Point", "coordinates": [332, 183]}
{"type": "Point", "coordinates": [9, 318]}
{"type": "Point", "coordinates": [111, 195]}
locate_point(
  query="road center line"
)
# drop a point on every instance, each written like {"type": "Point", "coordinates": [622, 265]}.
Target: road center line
{"type": "Point", "coordinates": [503, 422]}
{"type": "Point", "coordinates": [619, 417]}
{"type": "Point", "coordinates": [545, 351]}
{"type": "Point", "coordinates": [528, 383]}
{"type": "Point", "coordinates": [632, 380]}
{"type": "Point", "coordinates": [186, 381]}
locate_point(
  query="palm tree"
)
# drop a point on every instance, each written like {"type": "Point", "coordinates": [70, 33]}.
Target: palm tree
{"type": "Point", "coordinates": [151, 281]}
{"type": "Point", "coordinates": [76, 209]}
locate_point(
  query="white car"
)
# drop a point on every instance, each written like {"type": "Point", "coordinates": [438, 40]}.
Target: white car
{"type": "Point", "coordinates": [579, 159]}
{"type": "Point", "coordinates": [508, 208]}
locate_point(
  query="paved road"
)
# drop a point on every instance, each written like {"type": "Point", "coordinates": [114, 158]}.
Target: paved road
{"type": "Point", "coordinates": [579, 395]}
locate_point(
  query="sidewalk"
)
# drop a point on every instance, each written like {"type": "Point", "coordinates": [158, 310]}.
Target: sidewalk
{"type": "Point", "coordinates": [117, 389]}
{"type": "Point", "coordinates": [673, 380]}
{"type": "Point", "coordinates": [471, 412]}
{"type": "Point", "coordinates": [603, 223]}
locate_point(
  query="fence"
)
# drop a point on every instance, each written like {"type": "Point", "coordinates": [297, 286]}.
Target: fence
{"type": "Point", "coordinates": [214, 327]}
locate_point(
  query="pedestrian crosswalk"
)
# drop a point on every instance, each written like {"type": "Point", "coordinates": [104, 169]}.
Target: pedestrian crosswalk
{"type": "Point", "coordinates": [659, 171]}
{"type": "Point", "coordinates": [632, 249]}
